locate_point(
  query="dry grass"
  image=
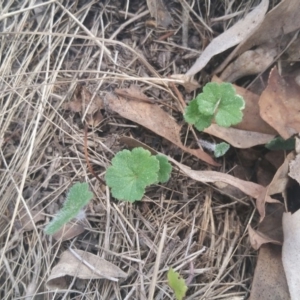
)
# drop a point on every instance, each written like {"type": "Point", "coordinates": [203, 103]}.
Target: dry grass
{"type": "Point", "coordinates": [45, 52]}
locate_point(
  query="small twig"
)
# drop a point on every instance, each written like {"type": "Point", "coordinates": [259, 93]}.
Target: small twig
{"type": "Point", "coordinates": [157, 262]}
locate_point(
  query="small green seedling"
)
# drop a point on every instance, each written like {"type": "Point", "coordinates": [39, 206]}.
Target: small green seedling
{"type": "Point", "coordinates": [177, 284]}
{"type": "Point", "coordinates": [218, 149]}
{"type": "Point", "coordinates": [217, 102]}
{"type": "Point", "coordinates": [78, 196]}
{"type": "Point", "coordinates": [132, 171]}
{"type": "Point", "coordinates": [279, 143]}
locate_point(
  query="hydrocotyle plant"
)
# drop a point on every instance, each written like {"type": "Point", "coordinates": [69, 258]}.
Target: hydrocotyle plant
{"type": "Point", "coordinates": [132, 171]}
{"type": "Point", "coordinates": [217, 102]}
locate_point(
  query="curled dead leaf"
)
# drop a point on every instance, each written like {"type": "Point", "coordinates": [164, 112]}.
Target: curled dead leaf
{"type": "Point", "coordinates": [250, 188]}
{"type": "Point", "coordinates": [231, 37]}
{"type": "Point", "coordinates": [282, 19]}
{"type": "Point", "coordinates": [250, 62]}
{"type": "Point", "coordinates": [279, 104]}
{"type": "Point", "coordinates": [270, 229]}
{"type": "Point", "coordinates": [84, 265]}
{"type": "Point", "coordinates": [239, 138]}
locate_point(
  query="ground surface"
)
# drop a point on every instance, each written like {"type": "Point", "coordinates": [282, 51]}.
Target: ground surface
{"type": "Point", "coordinates": [97, 46]}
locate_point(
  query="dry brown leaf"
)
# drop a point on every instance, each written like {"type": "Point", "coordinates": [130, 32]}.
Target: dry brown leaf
{"type": "Point", "coordinates": [251, 62]}
{"type": "Point", "coordinates": [278, 185]}
{"type": "Point", "coordinates": [282, 19]}
{"type": "Point", "coordinates": [257, 238]}
{"type": "Point", "coordinates": [280, 179]}
{"type": "Point", "coordinates": [239, 138]}
{"type": "Point", "coordinates": [270, 229]}
{"type": "Point", "coordinates": [159, 11]}
{"type": "Point", "coordinates": [290, 251]}
{"type": "Point", "coordinates": [231, 37]}
{"type": "Point", "coordinates": [230, 191]}
{"type": "Point", "coordinates": [152, 117]}
{"type": "Point", "coordinates": [279, 104]}
{"type": "Point", "coordinates": [269, 282]}
{"type": "Point", "coordinates": [250, 188]}
{"type": "Point", "coordinates": [69, 231]}
{"type": "Point", "coordinates": [84, 265]}
{"type": "Point", "coordinates": [84, 102]}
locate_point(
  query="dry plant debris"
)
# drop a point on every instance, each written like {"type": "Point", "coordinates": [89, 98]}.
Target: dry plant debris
{"type": "Point", "coordinates": [232, 36]}
{"type": "Point", "coordinates": [152, 117]}
{"type": "Point", "coordinates": [159, 11]}
{"type": "Point", "coordinates": [84, 265]}
{"type": "Point", "coordinates": [279, 21]}
{"type": "Point", "coordinates": [67, 64]}
{"type": "Point", "coordinates": [279, 104]}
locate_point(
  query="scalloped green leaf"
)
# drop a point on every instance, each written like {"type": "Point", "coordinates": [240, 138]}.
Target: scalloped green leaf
{"type": "Point", "coordinates": [221, 149]}
{"type": "Point", "coordinates": [229, 111]}
{"type": "Point", "coordinates": [209, 99]}
{"type": "Point", "coordinates": [78, 196]}
{"type": "Point", "coordinates": [192, 112]}
{"type": "Point", "coordinates": [130, 173]}
{"type": "Point", "coordinates": [193, 116]}
{"type": "Point", "coordinates": [177, 284]}
{"type": "Point", "coordinates": [217, 101]}
{"type": "Point", "coordinates": [165, 168]}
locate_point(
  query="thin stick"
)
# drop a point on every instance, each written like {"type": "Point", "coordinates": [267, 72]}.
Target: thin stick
{"type": "Point", "coordinates": [157, 262]}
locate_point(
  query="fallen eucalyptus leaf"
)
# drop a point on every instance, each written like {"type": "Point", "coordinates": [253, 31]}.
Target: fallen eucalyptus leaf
{"type": "Point", "coordinates": [250, 188]}
{"type": "Point", "coordinates": [231, 37]}
{"type": "Point", "coordinates": [84, 265]}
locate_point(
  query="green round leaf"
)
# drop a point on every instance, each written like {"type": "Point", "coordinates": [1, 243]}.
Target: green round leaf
{"type": "Point", "coordinates": [209, 99]}
{"type": "Point", "coordinates": [230, 107]}
{"type": "Point", "coordinates": [165, 168]}
{"type": "Point", "coordinates": [203, 122]}
{"type": "Point", "coordinates": [130, 173]}
{"type": "Point", "coordinates": [221, 149]}
{"type": "Point", "coordinates": [218, 101]}
{"type": "Point", "coordinates": [191, 113]}
{"type": "Point", "coordinates": [193, 116]}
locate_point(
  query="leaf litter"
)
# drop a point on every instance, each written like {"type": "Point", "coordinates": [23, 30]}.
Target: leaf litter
{"type": "Point", "coordinates": [152, 117]}
{"type": "Point", "coordinates": [36, 125]}
{"type": "Point", "coordinates": [84, 265]}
